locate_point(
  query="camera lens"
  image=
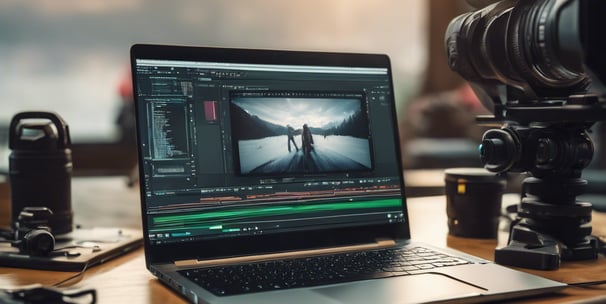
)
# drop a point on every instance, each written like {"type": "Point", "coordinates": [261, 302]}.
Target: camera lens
{"type": "Point", "coordinates": [531, 46]}
{"type": "Point", "coordinates": [536, 32]}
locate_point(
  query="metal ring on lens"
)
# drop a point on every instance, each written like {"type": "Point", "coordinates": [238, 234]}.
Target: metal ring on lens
{"type": "Point", "coordinates": [537, 43]}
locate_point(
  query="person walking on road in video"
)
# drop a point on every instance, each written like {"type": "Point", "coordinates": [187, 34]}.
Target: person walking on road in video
{"type": "Point", "coordinates": [291, 137]}
{"type": "Point", "coordinates": [307, 140]}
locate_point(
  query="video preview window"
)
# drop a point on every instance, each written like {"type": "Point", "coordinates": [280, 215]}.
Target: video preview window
{"type": "Point", "coordinates": [278, 133]}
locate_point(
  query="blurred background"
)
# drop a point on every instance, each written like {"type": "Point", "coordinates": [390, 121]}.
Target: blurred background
{"type": "Point", "coordinates": [71, 57]}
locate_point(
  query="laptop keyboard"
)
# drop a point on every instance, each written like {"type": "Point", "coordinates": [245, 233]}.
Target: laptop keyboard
{"type": "Point", "coordinates": [318, 270]}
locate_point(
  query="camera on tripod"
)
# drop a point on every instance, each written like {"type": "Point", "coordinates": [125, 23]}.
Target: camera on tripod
{"type": "Point", "coordinates": [539, 67]}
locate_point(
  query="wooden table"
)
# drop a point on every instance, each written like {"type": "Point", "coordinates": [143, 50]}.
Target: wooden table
{"type": "Point", "coordinates": [125, 279]}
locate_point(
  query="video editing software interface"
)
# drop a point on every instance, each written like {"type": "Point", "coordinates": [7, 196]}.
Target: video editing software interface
{"type": "Point", "coordinates": [248, 149]}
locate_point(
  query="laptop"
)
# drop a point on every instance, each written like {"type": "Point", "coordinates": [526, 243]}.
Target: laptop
{"type": "Point", "coordinates": [275, 176]}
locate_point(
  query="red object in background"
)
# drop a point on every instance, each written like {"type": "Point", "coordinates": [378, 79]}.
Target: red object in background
{"type": "Point", "coordinates": [125, 86]}
{"type": "Point", "coordinates": [469, 99]}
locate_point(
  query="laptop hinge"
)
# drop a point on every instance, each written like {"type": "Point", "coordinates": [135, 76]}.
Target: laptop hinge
{"type": "Point", "coordinates": [380, 243]}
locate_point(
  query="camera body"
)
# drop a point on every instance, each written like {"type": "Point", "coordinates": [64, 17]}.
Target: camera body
{"type": "Point", "coordinates": [539, 67]}
{"type": "Point", "coordinates": [32, 234]}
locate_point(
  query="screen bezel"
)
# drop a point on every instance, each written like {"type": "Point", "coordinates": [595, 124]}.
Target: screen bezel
{"type": "Point", "coordinates": [249, 245]}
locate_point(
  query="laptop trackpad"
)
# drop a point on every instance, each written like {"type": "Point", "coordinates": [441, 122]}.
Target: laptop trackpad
{"type": "Point", "coordinates": [406, 289]}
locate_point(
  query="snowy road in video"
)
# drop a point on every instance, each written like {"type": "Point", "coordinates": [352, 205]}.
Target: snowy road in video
{"type": "Point", "coordinates": [330, 154]}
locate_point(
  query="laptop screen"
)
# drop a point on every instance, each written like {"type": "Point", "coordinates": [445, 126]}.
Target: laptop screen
{"type": "Point", "coordinates": [238, 144]}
